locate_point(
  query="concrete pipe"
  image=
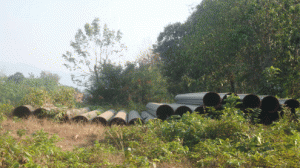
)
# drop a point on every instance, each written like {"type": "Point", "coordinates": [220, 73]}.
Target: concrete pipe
{"type": "Point", "coordinates": [86, 117]}
{"type": "Point", "coordinates": [147, 116]}
{"type": "Point", "coordinates": [119, 119]}
{"type": "Point", "coordinates": [23, 111]}
{"type": "Point", "coordinates": [104, 117]}
{"type": "Point", "coordinates": [74, 112]}
{"type": "Point", "coordinates": [161, 111]}
{"type": "Point", "coordinates": [133, 116]}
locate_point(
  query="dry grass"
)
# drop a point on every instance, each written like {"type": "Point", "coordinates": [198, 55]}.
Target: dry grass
{"type": "Point", "coordinates": [73, 134]}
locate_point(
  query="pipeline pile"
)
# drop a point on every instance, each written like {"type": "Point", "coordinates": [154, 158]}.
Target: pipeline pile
{"type": "Point", "coordinates": [270, 107]}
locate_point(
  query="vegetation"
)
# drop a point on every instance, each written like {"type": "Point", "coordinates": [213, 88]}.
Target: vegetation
{"type": "Point", "coordinates": [242, 46]}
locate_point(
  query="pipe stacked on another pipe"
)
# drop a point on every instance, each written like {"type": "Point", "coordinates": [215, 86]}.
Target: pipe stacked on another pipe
{"type": "Point", "coordinates": [104, 117]}
{"type": "Point", "coordinates": [161, 111]}
{"type": "Point", "coordinates": [119, 119]}
{"type": "Point", "coordinates": [269, 110]}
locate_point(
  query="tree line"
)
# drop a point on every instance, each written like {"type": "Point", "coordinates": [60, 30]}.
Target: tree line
{"type": "Point", "coordinates": [242, 46]}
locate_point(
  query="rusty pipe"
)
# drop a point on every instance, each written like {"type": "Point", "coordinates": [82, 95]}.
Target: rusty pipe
{"type": "Point", "coordinates": [119, 119]}
{"type": "Point", "coordinates": [104, 117]}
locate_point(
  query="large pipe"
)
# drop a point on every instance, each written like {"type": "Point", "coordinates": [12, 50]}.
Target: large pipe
{"type": "Point", "coordinates": [161, 111]}
{"type": "Point", "coordinates": [292, 104]}
{"type": "Point", "coordinates": [147, 116]}
{"type": "Point", "coordinates": [133, 116]}
{"type": "Point", "coordinates": [211, 99]}
{"type": "Point", "coordinates": [180, 109]}
{"type": "Point", "coordinates": [194, 98]}
{"type": "Point", "coordinates": [119, 119]}
{"type": "Point", "coordinates": [104, 117]}
{"type": "Point", "coordinates": [42, 111]}
{"type": "Point", "coordinates": [74, 112]}
{"type": "Point", "coordinates": [86, 117]}
{"type": "Point", "coordinates": [251, 101]}
{"type": "Point", "coordinates": [270, 104]}
{"type": "Point", "coordinates": [23, 111]}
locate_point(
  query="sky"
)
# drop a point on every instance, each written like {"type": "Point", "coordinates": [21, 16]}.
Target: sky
{"type": "Point", "coordinates": [34, 34]}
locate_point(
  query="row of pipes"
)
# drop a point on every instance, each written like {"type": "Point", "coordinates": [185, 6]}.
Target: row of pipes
{"type": "Point", "coordinates": [269, 105]}
{"type": "Point", "coordinates": [84, 115]}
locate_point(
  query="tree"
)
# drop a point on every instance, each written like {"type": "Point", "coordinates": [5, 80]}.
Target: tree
{"type": "Point", "coordinates": [102, 45]}
{"type": "Point", "coordinates": [17, 77]}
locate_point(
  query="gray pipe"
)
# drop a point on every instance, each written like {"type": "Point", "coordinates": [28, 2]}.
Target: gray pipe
{"type": "Point", "coordinates": [133, 116]}
{"type": "Point", "coordinates": [161, 111]}
{"type": "Point", "coordinates": [147, 116]}
{"type": "Point", "coordinates": [74, 112]}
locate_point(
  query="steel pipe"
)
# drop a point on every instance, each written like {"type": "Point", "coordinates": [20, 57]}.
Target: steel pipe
{"type": "Point", "coordinates": [180, 109]}
{"type": "Point", "coordinates": [292, 104]}
{"type": "Point", "coordinates": [270, 104]}
{"type": "Point", "coordinates": [147, 116]}
{"type": "Point", "coordinates": [86, 117]}
{"type": "Point", "coordinates": [251, 101]}
{"type": "Point", "coordinates": [23, 111]}
{"type": "Point", "coordinates": [104, 117]}
{"type": "Point", "coordinates": [161, 111]}
{"type": "Point", "coordinates": [119, 119]}
{"type": "Point", "coordinates": [133, 116]}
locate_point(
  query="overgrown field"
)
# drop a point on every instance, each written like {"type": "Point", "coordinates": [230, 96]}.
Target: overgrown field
{"type": "Point", "coordinates": [192, 141]}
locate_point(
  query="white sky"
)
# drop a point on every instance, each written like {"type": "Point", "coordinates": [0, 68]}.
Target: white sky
{"type": "Point", "coordinates": [34, 34]}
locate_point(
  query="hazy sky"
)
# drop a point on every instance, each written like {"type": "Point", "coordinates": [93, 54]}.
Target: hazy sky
{"type": "Point", "coordinates": [34, 34]}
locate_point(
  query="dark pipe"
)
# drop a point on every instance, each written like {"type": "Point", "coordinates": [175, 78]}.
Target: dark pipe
{"type": "Point", "coordinates": [23, 111]}
{"type": "Point", "coordinates": [251, 101]}
{"type": "Point", "coordinates": [104, 117]}
{"type": "Point", "coordinates": [133, 116]}
{"type": "Point", "coordinates": [161, 111]}
{"type": "Point", "coordinates": [119, 119]}
{"type": "Point", "coordinates": [270, 104]}
{"type": "Point", "coordinates": [41, 112]}
{"type": "Point", "coordinates": [211, 99]}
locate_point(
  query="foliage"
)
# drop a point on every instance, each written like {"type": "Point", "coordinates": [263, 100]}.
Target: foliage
{"type": "Point", "coordinates": [36, 97]}
{"type": "Point", "coordinates": [91, 66]}
{"type": "Point", "coordinates": [17, 77]}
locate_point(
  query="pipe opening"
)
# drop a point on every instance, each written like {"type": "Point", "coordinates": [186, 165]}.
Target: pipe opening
{"type": "Point", "coordinates": [182, 109]}
{"type": "Point", "coordinates": [211, 99]}
{"type": "Point", "coordinates": [133, 121]}
{"type": "Point", "coordinates": [251, 101]}
{"type": "Point", "coordinates": [292, 103]}
{"type": "Point", "coordinates": [117, 121]}
{"type": "Point", "coordinates": [22, 111]}
{"type": "Point", "coordinates": [100, 120]}
{"type": "Point", "coordinates": [164, 111]}
{"type": "Point", "coordinates": [270, 104]}
{"type": "Point", "coordinates": [80, 119]}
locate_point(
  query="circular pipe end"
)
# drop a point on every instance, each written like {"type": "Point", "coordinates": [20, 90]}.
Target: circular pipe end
{"type": "Point", "coordinates": [181, 110]}
{"type": "Point", "coordinates": [211, 99]}
{"type": "Point", "coordinates": [292, 103]}
{"type": "Point", "coordinates": [22, 112]}
{"type": "Point", "coordinates": [270, 104]}
{"type": "Point", "coordinates": [164, 111]}
{"type": "Point", "coordinates": [100, 120]}
{"type": "Point", "coordinates": [251, 101]}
